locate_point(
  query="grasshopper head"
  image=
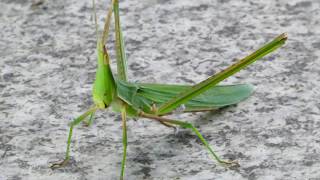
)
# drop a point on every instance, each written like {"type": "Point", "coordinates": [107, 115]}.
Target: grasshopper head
{"type": "Point", "coordinates": [104, 87]}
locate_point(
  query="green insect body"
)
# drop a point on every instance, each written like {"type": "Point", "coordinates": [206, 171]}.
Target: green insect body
{"type": "Point", "coordinates": [154, 101]}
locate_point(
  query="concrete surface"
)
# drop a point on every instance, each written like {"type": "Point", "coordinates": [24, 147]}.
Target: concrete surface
{"type": "Point", "coordinates": [47, 66]}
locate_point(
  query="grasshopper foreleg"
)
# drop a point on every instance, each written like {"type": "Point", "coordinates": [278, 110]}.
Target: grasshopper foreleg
{"type": "Point", "coordinates": [72, 124]}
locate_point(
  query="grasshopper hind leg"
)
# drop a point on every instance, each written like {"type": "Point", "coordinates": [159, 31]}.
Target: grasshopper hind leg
{"type": "Point", "coordinates": [192, 128]}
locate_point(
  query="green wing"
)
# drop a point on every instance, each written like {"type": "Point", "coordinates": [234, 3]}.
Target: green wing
{"type": "Point", "coordinates": [144, 95]}
{"type": "Point", "coordinates": [216, 97]}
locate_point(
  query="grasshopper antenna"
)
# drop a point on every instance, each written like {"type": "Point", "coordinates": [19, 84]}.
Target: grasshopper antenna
{"type": "Point", "coordinates": [95, 18]}
{"type": "Point", "coordinates": [107, 23]}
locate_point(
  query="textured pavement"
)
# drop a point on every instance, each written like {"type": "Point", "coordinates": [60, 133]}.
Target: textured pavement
{"type": "Point", "coordinates": [47, 67]}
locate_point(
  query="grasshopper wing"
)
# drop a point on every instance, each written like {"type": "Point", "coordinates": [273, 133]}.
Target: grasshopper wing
{"type": "Point", "coordinates": [144, 95]}
{"type": "Point", "coordinates": [214, 98]}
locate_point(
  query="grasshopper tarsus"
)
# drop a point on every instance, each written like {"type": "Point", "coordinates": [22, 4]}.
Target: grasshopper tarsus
{"type": "Point", "coordinates": [230, 164]}
{"type": "Point", "coordinates": [60, 164]}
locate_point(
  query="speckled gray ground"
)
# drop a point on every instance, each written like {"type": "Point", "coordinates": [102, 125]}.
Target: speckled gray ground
{"type": "Point", "coordinates": [48, 64]}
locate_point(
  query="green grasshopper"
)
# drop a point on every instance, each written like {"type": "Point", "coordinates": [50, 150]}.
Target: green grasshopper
{"type": "Point", "coordinates": [154, 101]}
